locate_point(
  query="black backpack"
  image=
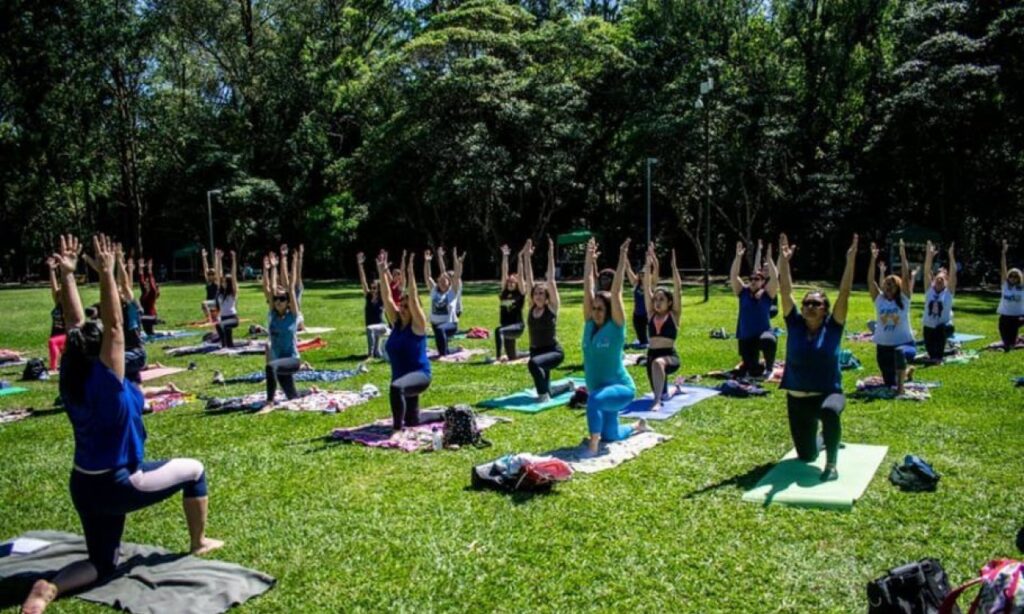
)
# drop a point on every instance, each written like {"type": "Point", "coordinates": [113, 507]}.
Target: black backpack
{"type": "Point", "coordinates": [34, 371]}
{"type": "Point", "coordinates": [460, 427]}
{"type": "Point", "coordinates": [914, 475]}
{"type": "Point", "coordinates": [914, 588]}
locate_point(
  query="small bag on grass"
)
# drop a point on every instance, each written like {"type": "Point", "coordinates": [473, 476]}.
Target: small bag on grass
{"type": "Point", "coordinates": [1002, 590]}
{"type": "Point", "coordinates": [460, 427]}
{"type": "Point", "coordinates": [914, 588]}
{"type": "Point", "coordinates": [543, 474]}
{"type": "Point", "coordinates": [914, 475]}
{"type": "Point", "coordinates": [34, 371]}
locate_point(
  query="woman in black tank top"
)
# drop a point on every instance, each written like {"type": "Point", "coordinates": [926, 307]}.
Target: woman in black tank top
{"type": "Point", "coordinates": [511, 299]}
{"type": "Point", "coordinates": [664, 308]}
{"type": "Point", "coordinates": [545, 352]}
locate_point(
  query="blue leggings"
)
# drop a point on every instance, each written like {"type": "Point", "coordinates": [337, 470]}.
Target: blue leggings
{"type": "Point", "coordinates": [603, 407]}
{"type": "Point", "coordinates": [104, 500]}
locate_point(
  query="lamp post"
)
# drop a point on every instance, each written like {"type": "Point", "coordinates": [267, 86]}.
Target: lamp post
{"type": "Point", "coordinates": [647, 163]}
{"type": "Point", "coordinates": [705, 88]}
{"type": "Point", "coordinates": [209, 215]}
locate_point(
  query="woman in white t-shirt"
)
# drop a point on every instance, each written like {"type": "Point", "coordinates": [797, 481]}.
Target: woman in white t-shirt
{"type": "Point", "coordinates": [1011, 303]}
{"type": "Point", "coordinates": [894, 337]}
{"type": "Point", "coordinates": [938, 304]}
{"type": "Point", "coordinates": [445, 294]}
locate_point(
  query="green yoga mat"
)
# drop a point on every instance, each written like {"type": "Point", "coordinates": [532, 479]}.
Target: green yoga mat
{"type": "Point", "coordinates": [795, 482]}
{"type": "Point", "coordinates": [12, 390]}
{"type": "Point", "coordinates": [526, 401]}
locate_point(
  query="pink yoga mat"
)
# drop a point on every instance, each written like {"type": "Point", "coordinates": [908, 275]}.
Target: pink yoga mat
{"type": "Point", "coordinates": [151, 374]}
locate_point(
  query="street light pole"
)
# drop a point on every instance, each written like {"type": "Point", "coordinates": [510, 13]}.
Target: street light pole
{"type": "Point", "coordinates": [648, 162]}
{"type": "Point", "coordinates": [705, 88]}
{"type": "Point", "coordinates": [209, 215]}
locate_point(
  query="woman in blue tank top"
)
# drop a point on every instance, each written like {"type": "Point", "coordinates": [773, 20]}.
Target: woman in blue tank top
{"type": "Point", "coordinates": [812, 380]}
{"type": "Point", "coordinates": [753, 325]}
{"type": "Point", "coordinates": [406, 347]}
{"type": "Point", "coordinates": [609, 386]}
{"type": "Point", "coordinates": [110, 477]}
{"type": "Point", "coordinates": [282, 325]}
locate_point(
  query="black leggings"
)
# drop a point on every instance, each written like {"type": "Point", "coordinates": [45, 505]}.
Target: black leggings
{"type": "Point", "coordinates": [804, 414]}
{"type": "Point", "coordinates": [671, 365]}
{"type": "Point", "coordinates": [225, 330]}
{"type": "Point", "coordinates": [1009, 328]}
{"type": "Point", "coordinates": [640, 328]}
{"type": "Point", "coordinates": [102, 501]}
{"type": "Point", "coordinates": [891, 361]}
{"type": "Point", "coordinates": [282, 370]}
{"type": "Point", "coordinates": [935, 340]}
{"type": "Point", "coordinates": [441, 334]}
{"type": "Point", "coordinates": [148, 324]}
{"type": "Point", "coordinates": [752, 348]}
{"type": "Point", "coordinates": [542, 361]}
{"type": "Point", "coordinates": [508, 335]}
{"type": "Point", "coordinates": [405, 398]}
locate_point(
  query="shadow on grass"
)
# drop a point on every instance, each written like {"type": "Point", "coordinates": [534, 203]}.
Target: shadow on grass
{"type": "Point", "coordinates": [744, 481]}
{"type": "Point", "coordinates": [518, 497]}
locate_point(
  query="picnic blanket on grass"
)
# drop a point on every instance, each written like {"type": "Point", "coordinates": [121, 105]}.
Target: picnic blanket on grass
{"type": "Point", "coordinates": [526, 400]}
{"type": "Point", "coordinates": [612, 454]}
{"type": "Point", "coordinates": [14, 415]}
{"type": "Point", "coordinates": [458, 355]}
{"type": "Point", "coordinates": [684, 396]}
{"type": "Point", "coordinates": [303, 375]}
{"type": "Point", "coordinates": [795, 482]}
{"type": "Point", "coordinates": [410, 439]}
{"type": "Point", "coordinates": [149, 580]}
{"type": "Point", "coordinates": [324, 401]}
{"type": "Point", "coordinates": [162, 401]}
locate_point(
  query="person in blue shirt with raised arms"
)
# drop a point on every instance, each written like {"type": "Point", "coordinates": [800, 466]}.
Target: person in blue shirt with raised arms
{"type": "Point", "coordinates": [282, 326]}
{"type": "Point", "coordinates": [110, 477]}
{"type": "Point", "coordinates": [753, 325]}
{"type": "Point", "coordinates": [610, 388]}
{"type": "Point", "coordinates": [811, 379]}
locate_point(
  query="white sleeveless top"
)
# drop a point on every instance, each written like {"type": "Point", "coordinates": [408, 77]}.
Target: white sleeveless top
{"type": "Point", "coordinates": [893, 326]}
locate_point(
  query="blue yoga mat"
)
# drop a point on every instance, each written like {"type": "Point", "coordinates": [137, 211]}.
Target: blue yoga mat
{"type": "Point", "coordinates": [689, 395]}
{"type": "Point", "coordinates": [526, 401]}
{"type": "Point", "coordinates": [958, 338]}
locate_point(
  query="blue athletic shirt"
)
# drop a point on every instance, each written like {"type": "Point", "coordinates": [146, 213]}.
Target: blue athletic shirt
{"type": "Point", "coordinates": [407, 351]}
{"type": "Point", "coordinates": [109, 433]}
{"type": "Point", "coordinates": [282, 335]}
{"type": "Point", "coordinates": [602, 355]}
{"type": "Point", "coordinates": [639, 306]}
{"type": "Point", "coordinates": [812, 365]}
{"type": "Point", "coordinates": [755, 315]}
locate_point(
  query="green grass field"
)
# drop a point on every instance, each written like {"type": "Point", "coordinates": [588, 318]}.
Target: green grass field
{"type": "Point", "coordinates": [346, 528]}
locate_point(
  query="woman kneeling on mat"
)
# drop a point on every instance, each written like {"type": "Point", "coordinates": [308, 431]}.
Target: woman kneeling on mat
{"type": "Point", "coordinates": [811, 379]}
{"type": "Point", "coordinates": [753, 325]}
{"type": "Point", "coordinates": [510, 316]}
{"type": "Point", "coordinates": [373, 311]}
{"type": "Point", "coordinates": [110, 477]}
{"type": "Point", "coordinates": [894, 338]}
{"type": "Point", "coordinates": [664, 308]}
{"type": "Point", "coordinates": [58, 338]}
{"type": "Point", "coordinates": [1011, 303]}
{"type": "Point", "coordinates": [150, 294]}
{"type": "Point", "coordinates": [938, 304]}
{"type": "Point", "coordinates": [282, 325]}
{"type": "Point", "coordinates": [444, 298]}
{"type": "Point", "coordinates": [542, 321]}
{"type": "Point", "coordinates": [406, 347]}
{"type": "Point", "coordinates": [227, 299]}
{"type": "Point", "coordinates": [609, 386]}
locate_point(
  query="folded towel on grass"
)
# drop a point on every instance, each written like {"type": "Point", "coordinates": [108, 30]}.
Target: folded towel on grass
{"type": "Point", "coordinates": [149, 580]}
{"type": "Point", "coordinates": [410, 439]}
{"type": "Point", "coordinates": [611, 454]}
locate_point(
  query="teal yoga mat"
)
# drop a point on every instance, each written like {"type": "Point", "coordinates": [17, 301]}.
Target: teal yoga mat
{"type": "Point", "coordinates": [12, 390]}
{"type": "Point", "coordinates": [795, 482]}
{"type": "Point", "coordinates": [526, 400]}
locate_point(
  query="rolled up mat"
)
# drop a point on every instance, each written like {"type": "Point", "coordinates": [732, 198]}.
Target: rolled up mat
{"type": "Point", "coordinates": [794, 482]}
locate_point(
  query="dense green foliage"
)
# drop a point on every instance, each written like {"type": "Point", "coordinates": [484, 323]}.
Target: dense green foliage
{"type": "Point", "coordinates": [341, 123]}
{"type": "Point", "coordinates": [348, 529]}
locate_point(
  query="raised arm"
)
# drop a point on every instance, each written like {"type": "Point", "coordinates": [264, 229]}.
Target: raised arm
{"type": "Point", "coordinates": [206, 263]}
{"type": "Point", "coordinates": [782, 271]}
{"type": "Point", "coordinates": [302, 260]}
{"type": "Point", "coordinates": [554, 300]}
{"type": "Point", "coordinates": [505, 253]}
{"type": "Point", "coordinates": [618, 309]}
{"type": "Point", "coordinates": [527, 256]}
{"type": "Point", "coordinates": [67, 262]}
{"type": "Point", "coordinates": [873, 288]}
{"type": "Point", "coordinates": [457, 279]}
{"type": "Point", "coordinates": [951, 274]}
{"type": "Point", "coordinates": [289, 283]}
{"type": "Point", "coordinates": [419, 319]}
{"type": "Point", "coordinates": [588, 278]}
{"type": "Point", "coordinates": [218, 266]}
{"type": "Point", "coordinates": [441, 267]}
{"type": "Point", "coordinates": [677, 286]}
{"type": "Point", "coordinates": [648, 282]}
{"type": "Point", "coordinates": [234, 273]}
{"type": "Point", "coordinates": [360, 259]}
{"type": "Point", "coordinates": [428, 276]}
{"type": "Point", "coordinates": [274, 260]}
{"type": "Point", "coordinates": [519, 273]}
{"type": "Point", "coordinates": [843, 301]}
{"type": "Point", "coordinates": [734, 272]}
{"type": "Point", "coordinates": [758, 263]}
{"type": "Point", "coordinates": [929, 261]}
{"type": "Point", "coordinates": [284, 274]}
{"type": "Point", "coordinates": [267, 288]}
{"type": "Point", "coordinates": [905, 272]}
{"type": "Point", "coordinates": [52, 265]}
{"type": "Point", "coordinates": [772, 288]}
{"type": "Point", "coordinates": [1002, 263]}
{"type": "Point", "coordinates": [152, 279]}
{"type": "Point", "coordinates": [630, 275]}
{"type": "Point", "coordinates": [296, 272]}
{"type": "Point", "coordinates": [390, 308]}
{"type": "Point", "coordinates": [112, 346]}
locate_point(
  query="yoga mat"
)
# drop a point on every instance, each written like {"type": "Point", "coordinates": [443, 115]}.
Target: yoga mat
{"type": "Point", "coordinates": [795, 482]}
{"type": "Point", "coordinates": [410, 439]}
{"type": "Point", "coordinates": [148, 580]}
{"type": "Point", "coordinates": [152, 374]}
{"type": "Point", "coordinates": [957, 338]}
{"type": "Point", "coordinates": [12, 390]}
{"type": "Point", "coordinates": [316, 330]}
{"type": "Point", "coordinates": [526, 401]}
{"type": "Point", "coordinates": [688, 395]}
{"type": "Point", "coordinates": [612, 454]}
{"type": "Point", "coordinates": [14, 415]}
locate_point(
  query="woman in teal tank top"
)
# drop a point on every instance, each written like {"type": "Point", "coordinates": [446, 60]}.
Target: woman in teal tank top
{"type": "Point", "coordinates": [610, 387]}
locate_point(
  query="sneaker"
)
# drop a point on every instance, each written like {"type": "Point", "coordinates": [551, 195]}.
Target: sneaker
{"type": "Point", "coordinates": [218, 377]}
{"type": "Point", "coordinates": [829, 474]}
{"type": "Point", "coordinates": [362, 368]}
{"type": "Point", "coordinates": [543, 398]}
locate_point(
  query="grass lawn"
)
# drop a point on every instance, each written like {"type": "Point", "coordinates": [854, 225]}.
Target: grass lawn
{"type": "Point", "coordinates": [346, 528]}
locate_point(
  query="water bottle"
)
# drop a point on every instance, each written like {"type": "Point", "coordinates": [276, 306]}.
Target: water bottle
{"type": "Point", "coordinates": [436, 441]}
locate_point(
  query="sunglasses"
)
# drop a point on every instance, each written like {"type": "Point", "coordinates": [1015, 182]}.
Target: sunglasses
{"type": "Point", "coordinates": [282, 299]}
{"type": "Point", "coordinates": [814, 304]}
